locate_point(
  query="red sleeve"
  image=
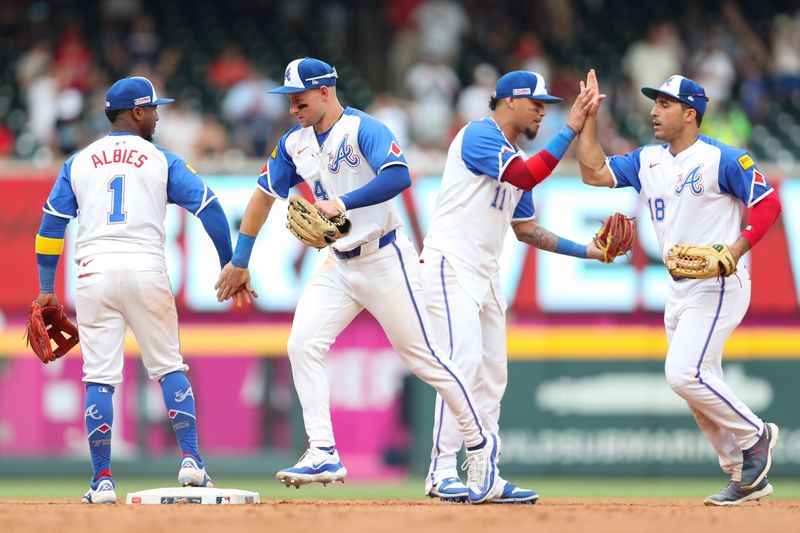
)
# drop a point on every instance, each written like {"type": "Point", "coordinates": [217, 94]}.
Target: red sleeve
{"type": "Point", "coordinates": [527, 174]}
{"type": "Point", "coordinates": [762, 217]}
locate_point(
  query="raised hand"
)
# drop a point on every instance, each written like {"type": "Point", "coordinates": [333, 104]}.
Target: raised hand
{"type": "Point", "coordinates": [580, 108]}
{"type": "Point", "coordinates": [594, 87]}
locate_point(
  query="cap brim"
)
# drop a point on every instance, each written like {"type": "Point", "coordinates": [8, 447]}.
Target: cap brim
{"type": "Point", "coordinates": [288, 90]}
{"type": "Point", "coordinates": [547, 99]}
{"type": "Point", "coordinates": [652, 93]}
{"type": "Point", "coordinates": [162, 101]}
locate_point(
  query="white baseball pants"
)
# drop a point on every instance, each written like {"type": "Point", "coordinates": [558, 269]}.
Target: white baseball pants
{"type": "Point", "coordinates": [115, 291]}
{"type": "Point", "coordinates": [700, 315]}
{"type": "Point", "coordinates": [385, 283]}
{"type": "Point", "coordinates": [474, 337]}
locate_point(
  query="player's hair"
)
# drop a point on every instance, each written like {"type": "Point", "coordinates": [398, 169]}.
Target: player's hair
{"type": "Point", "coordinates": [698, 118]}
{"type": "Point", "coordinates": [492, 103]}
{"type": "Point", "coordinates": [112, 114]}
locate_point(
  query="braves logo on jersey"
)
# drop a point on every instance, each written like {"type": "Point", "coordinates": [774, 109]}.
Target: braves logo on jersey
{"type": "Point", "coordinates": [344, 154]}
{"type": "Point", "coordinates": [693, 180]}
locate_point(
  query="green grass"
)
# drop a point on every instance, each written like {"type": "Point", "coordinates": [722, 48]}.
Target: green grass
{"type": "Point", "coordinates": [270, 489]}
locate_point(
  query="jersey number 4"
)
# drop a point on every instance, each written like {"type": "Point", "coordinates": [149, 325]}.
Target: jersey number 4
{"type": "Point", "coordinates": [116, 186]}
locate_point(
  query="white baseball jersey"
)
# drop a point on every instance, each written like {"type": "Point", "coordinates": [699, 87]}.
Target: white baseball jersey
{"type": "Point", "coordinates": [474, 201]}
{"type": "Point", "coordinates": [118, 187]}
{"type": "Point", "coordinates": [695, 197]}
{"type": "Point", "coordinates": [383, 279]}
{"type": "Point", "coordinates": [355, 149]}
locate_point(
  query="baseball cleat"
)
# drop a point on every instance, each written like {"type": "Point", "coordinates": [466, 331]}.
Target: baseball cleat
{"type": "Point", "coordinates": [757, 459]}
{"type": "Point", "coordinates": [192, 475]}
{"type": "Point", "coordinates": [514, 494]}
{"type": "Point", "coordinates": [447, 490]}
{"type": "Point", "coordinates": [734, 494]}
{"type": "Point", "coordinates": [314, 466]}
{"type": "Point", "coordinates": [101, 491]}
{"type": "Point", "coordinates": [483, 478]}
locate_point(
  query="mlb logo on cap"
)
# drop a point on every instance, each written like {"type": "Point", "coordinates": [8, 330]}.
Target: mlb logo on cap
{"type": "Point", "coordinates": [306, 74]}
{"type": "Point", "coordinates": [128, 93]}
{"type": "Point", "coordinates": [524, 84]}
{"type": "Point", "coordinates": [683, 89]}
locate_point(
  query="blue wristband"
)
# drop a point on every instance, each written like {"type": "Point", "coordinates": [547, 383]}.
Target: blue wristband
{"type": "Point", "coordinates": [244, 247]}
{"type": "Point", "coordinates": [558, 146]}
{"type": "Point", "coordinates": [47, 278]}
{"type": "Point", "coordinates": [567, 247]}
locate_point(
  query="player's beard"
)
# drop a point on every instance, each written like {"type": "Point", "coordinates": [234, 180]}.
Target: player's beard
{"type": "Point", "coordinates": [530, 134]}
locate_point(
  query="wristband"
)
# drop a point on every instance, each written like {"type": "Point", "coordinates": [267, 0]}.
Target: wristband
{"type": "Point", "coordinates": [558, 146]}
{"type": "Point", "coordinates": [568, 247]}
{"type": "Point", "coordinates": [244, 247]}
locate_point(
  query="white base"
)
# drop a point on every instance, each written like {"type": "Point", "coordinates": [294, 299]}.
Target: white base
{"type": "Point", "coordinates": [196, 495]}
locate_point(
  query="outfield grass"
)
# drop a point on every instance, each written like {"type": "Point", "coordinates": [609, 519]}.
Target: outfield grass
{"type": "Point", "coordinates": [271, 489]}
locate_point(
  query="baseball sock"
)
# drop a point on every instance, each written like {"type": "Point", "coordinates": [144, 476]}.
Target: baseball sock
{"type": "Point", "coordinates": [99, 415]}
{"type": "Point", "coordinates": [179, 400]}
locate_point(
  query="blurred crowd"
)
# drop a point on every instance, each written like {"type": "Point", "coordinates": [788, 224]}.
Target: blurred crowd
{"type": "Point", "coordinates": [441, 59]}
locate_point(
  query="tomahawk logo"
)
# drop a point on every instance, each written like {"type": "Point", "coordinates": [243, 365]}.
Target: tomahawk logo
{"type": "Point", "coordinates": [694, 180]}
{"type": "Point", "coordinates": [344, 154]}
{"type": "Point", "coordinates": [181, 396]}
{"type": "Point", "coordinates": [91, 412]}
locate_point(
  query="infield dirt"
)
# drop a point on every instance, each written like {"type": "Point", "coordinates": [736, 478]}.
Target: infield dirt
{"type": "Point", "coordinates": [596, 516]}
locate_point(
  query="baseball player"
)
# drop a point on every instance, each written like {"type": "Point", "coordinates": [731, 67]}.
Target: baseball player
{"type": "Point", "coordinates": [353, 164]}
{"type": "Point", "coordinates": [695, 188]}
{"type": "Point", "coordinates": [118, 187]}
{"type": "Point", "coordinates": [487, 186]}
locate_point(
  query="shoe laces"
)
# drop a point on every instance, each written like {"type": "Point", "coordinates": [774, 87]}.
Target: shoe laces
{"type": "Point", "coordinates": [475, 465]}
{"type": "Point", "coordinates": [313, 456]}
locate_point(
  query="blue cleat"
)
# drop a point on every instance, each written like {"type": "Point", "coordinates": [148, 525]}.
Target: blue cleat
{"type": "Point", "coordinates": [734, 494]}
{"type": "Point", "coordinates": [483, 478]}
{"type": "Point", "coordinates": [447, 490]}
{"type": "Point", "coordinates": [192, 474]}
{"type": "Point", "coordinates": [514, 494]}
{"type": "Point", "coordinates": [314, 466]}
{"type": "Point", "coordinates": [101, 491]}
{"type": "Point", "coordinates": [757, 459]}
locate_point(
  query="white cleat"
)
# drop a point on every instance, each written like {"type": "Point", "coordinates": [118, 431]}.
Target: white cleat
{"type": "Point", "coordinates": [103, 492]}
{"type": "Point", "coordinates": [191, 475]}
{"type": "Point", "coordinates": [314, 466]}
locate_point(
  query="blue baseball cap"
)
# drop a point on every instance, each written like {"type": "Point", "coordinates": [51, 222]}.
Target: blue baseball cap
{"type": "Point", "coordinates": [683, 89]}
{"type": "Point", "coordinates": [524, 84]}
{"type": "Point", "coordinates": [306, 74]}
{"type": "Point", "coordinates": [128, 93]}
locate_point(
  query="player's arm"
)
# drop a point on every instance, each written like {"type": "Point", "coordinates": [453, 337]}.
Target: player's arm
{"type": "Point", "coordinates": [539, 237]}
{"type": "Point", "coordinates": [591, 158]}
{"type": "Point", "coordinates": [236, 274]}
{"type": "Point", "coordinates": [529, 173]}
{"type": "Point", "coordinates": [60, 208]}
{"type": "Point", "coordinates": [386, 184]}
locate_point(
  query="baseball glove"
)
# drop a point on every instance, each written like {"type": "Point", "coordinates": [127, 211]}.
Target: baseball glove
{"type": "Point", "coordinates": [616, 236]}
{"type": "Point", "coordinates": [311, 227]}
{"type": "Point", "coordinates": [700, 262]}
{"type": "Point", "coordinates": [46, 323]}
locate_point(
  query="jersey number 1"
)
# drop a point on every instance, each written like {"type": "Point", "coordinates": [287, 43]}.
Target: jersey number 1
{"type": "Point", "coordinates": [116, 186]}
{"type": "Point", "coordinates": [502, 200]}
{"type": "Point", "coordinates": [656, 206]}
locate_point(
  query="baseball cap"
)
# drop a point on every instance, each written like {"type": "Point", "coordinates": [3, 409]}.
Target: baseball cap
{"type": "Point", "coordinates": [305, 74]}
{"type": "Point", "coordinates": [137, 91]}
{"type": "Point", "coordinates": [523, 84]}
{"type": "Point", "coordinates": [687, 91]}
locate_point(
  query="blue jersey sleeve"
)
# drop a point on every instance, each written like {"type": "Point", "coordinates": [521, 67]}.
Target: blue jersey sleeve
{"type": "Point", "coordinates": [626, 169]}
{"type": "Point", "coordinates": [485, 150]}
{"type": "Point", "coordinates": [739, 176]}
{"type": "Point", "coordinates": [185, 187]}
{"type": "Point", "coordinates": [279, 173]}
{"type": "Point", "coordinates": [62, 202]}
{"type": "Point", "coordinates": [525, 209]}
{"type": "Point", "coordinates": [378, 144]}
